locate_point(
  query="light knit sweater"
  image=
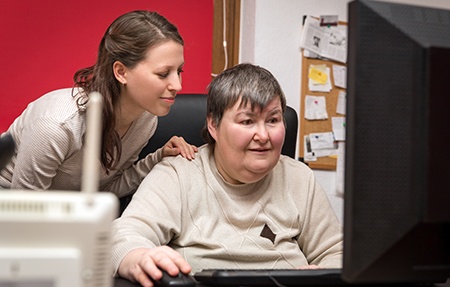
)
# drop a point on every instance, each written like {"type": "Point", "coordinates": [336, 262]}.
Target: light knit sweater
{"type": "Point", "coordinates": [213, 224]}
{"type": "Point", "coordinates": [49, 136]}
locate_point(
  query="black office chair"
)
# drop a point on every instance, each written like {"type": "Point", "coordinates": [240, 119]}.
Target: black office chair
{"type": "Point", "coordinates": [7, 148]}
{"type": "Point", "coordinates": [187, 118]}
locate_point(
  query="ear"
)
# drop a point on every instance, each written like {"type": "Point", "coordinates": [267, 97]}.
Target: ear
{"type": "Point", "coordinates": [120, 72]}
{"type": "Point", "coordinates": [212, 127]}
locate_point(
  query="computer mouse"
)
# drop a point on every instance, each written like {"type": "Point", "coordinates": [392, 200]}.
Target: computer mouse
{"type": "Point", "coordinates": [179, 280]}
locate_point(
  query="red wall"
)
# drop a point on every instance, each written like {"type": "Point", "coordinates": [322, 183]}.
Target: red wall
{"type": "Point", "coordinates": [43, 43]}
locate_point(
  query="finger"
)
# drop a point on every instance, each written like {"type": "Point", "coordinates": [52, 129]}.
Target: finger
{"type": "Point", "coordinates": [143, 279]}
{"type": "Point", "coordinates": [177, 145]}
{"type": "Point", "coordinates": [145, 268]}
{"type": "Point", "coordinates": [188, 150]}
{"type": "Point", "coordinates": [180, 262]}
{"type": "Point", "coordinates": [172, 261]}
{"type": "Point", "coordinates": [183, 265]}
{"type": "Point", "coordinates": [139, 275]}
{"type": "Point", "coordinates": [176, 141]}
{"type": "Point", "coordinates": [184, 147]}
{"type": "Point", "coordinates": [171, 148]}
{"type": "Point", "coordinates": [192, 149]}
{"type": "Point", "coordinates": [173, 142]}
{"type": "Point", "coordinates": [183, 150]}
{"type": "Point", "coordinates": [171, 151]}
{"type": "Point", "coordinates": [161, 258]}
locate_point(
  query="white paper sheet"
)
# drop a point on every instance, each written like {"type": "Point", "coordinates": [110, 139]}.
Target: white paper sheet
{"type": "Point", "coordinates": [315, 108]}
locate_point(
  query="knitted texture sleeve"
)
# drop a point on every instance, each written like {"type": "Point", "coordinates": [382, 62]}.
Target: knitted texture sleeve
{"type": "Point", "coordinates": [128, 178]}
{"type": "Point", "coordinates": [47, 133]}
{"type": "Point", "coordinates": [152, 218]}
{"type": "Point", "coordinates": [49, 138]}
{"type": "Point", "coordinates": [44, 146]}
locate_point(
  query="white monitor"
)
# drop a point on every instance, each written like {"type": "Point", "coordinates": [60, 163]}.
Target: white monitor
{"type": "Point", "coordinates": [55, 239]}
{"type": "Point", "coordinates": [60, 238]}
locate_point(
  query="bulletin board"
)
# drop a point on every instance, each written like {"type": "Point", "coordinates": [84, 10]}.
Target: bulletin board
{"type": "Point", "coordinates": [314, 126]}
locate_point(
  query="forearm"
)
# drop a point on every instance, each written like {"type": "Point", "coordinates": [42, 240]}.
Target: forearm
{"type": "Point", "coordinates": [140, 226]}
{"type": "Point", "coordinates": [124, 243]}
{"type": "Point", "coordinates": [128, 180]}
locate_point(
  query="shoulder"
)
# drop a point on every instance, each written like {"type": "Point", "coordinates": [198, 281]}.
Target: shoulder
{"type": "Point", "coordinates": [200, 162]}
{"type": "Point", "coordinates": [58, 96]}
{"type": "Point", "coordinates": [62, 108]}
{"type": "Point", "coordinates": [54, 115]}
{"type": "Point", "coordinates": [57, 105]}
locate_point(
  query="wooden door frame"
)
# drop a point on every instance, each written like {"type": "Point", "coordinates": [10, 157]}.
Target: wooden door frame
{"type": "Point", "coordinates": [233, 15]}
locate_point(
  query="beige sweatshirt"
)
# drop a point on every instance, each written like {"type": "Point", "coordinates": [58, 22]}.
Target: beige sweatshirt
{"type": "Point", "coordinates": [282, 221]}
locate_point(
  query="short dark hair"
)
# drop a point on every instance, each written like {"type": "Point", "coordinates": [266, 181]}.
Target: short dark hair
{"type": "Point", "coordinates": [250, 83]}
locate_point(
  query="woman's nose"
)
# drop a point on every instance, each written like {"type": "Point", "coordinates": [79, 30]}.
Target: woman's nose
{"type": "Point", "coordinates": [175, 83]}
{"type": "Point", "coordinates": [261, 133]}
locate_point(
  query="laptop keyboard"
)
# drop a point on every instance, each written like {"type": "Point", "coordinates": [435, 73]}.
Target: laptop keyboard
{"type": "Point", "coordinates": [270, 277]}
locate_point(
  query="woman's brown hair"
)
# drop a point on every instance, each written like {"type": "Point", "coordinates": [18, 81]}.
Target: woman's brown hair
{"type": "Point", "coordinates": [126, 40]}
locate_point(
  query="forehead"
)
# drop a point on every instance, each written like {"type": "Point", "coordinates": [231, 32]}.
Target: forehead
{"type": "Point", "coordinates": [241, 104]}
{"type": "Point", "coordinates": [166, 51]}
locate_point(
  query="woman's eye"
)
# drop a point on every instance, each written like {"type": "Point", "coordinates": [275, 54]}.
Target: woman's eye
{"type": "Point", "coordinates": [273, 120]}
{"type": "Point", "coordinates": [246, 122]}
{"type": "Point", "coordinates": [164, 75]}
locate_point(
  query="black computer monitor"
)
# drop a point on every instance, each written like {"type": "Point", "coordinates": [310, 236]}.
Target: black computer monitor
{"type": "Point", "coordinates": [397, 164]}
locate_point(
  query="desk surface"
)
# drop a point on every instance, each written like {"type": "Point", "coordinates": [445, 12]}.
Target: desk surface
{"type": "Point", "coordinates": [119, 282]}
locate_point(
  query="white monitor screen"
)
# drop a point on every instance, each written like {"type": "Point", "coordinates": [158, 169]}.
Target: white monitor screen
{"type": "Point", "coordinates": [55, 239]}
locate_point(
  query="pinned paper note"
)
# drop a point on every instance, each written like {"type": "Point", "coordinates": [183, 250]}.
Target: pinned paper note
{"type": "Point", "coordinates": [321, 140]}
{"type": "Point", "coordinates": [309, 155]}
{"type": "Point", "coordinates": [341, 103]}
{"type": "Point", "coordinates": [340, 76]}
{"type": "Point", "coordinates": [325, 40]}
{"type": "Point", "coordinates": [319, 78]}
{"type": "Point", "coordinates": [338, 125]}
{"type": "Point", "coordinates": [323, 144]}
{"type": "Point", "coordinates": [315, 108]}
{"type": "Point", "coordinates": [318, 75]}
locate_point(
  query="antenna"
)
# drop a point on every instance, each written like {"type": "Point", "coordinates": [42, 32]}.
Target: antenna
{"type": "Point", "coordinates": [91, 156]}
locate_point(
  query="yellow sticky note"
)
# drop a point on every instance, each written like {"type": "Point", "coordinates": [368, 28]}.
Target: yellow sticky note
{"type": "Point", "coordinates": [318, 75]}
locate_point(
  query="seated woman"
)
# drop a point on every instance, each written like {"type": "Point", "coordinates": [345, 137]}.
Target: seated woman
{"type": "Point", "coordinates": [239, 204]}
